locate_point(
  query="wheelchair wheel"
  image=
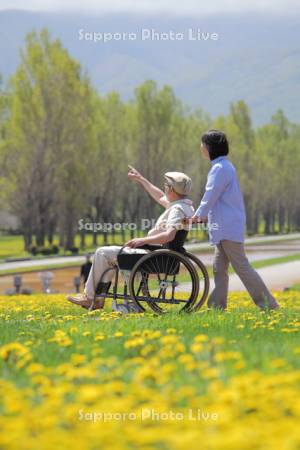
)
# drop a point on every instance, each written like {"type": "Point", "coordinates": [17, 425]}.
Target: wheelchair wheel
{"type": "Point", "coordinates": [203, 281]}
{"type": "Point", "coordinates": [164, 280]}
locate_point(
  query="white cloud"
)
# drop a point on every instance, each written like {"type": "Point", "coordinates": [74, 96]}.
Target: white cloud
{"type": "Point", "coordinates": [152, 6]}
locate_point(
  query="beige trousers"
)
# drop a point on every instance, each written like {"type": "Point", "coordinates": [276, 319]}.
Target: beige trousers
{"type": "Point", "coordinates": [234, 252]}
{"type": "Point", "coordinates": [104, 258]}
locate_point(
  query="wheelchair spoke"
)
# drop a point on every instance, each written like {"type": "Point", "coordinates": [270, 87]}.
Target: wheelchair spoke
{"type": "Point", "coordinates": [174, 262]}
{"type": "Point", "coordinates": [167, 269]}
{"type": "Point", "coordinates": [144, 282]}
{"type": "Point", "coordinates": [173, 287]}
{"type": "Point", "coordinates": [140, 288]}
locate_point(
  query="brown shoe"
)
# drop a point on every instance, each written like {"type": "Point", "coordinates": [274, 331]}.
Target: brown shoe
{"type": "Point", "coordinates": [82, 300]}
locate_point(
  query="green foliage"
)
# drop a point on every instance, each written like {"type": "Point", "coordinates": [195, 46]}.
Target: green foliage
{"type": "Point", "coordinates": [64, 151]}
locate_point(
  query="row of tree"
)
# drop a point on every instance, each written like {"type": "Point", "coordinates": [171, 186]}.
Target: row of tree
{"type": "Point", "coordinates": [64, 150]}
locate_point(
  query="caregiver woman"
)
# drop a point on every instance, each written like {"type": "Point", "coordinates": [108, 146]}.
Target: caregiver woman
{"type": "Point", "coordinates": [222, 205]}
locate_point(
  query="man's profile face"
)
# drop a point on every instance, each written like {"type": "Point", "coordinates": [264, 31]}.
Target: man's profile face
{"type": "Point", "coordinates": [168, 190]}
{"type": "Point", "coordinates": [166, 187]}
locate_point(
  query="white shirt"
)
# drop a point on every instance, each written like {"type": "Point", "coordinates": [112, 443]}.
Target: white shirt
{"type": "Point", "coordinates": [173, 215]}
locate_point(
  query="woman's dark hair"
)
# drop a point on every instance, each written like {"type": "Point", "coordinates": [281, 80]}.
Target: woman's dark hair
{"type": "Point", "coordinates": [216, 143]}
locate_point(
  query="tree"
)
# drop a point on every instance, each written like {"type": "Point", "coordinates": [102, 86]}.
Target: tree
{"type": "Point", "coordinates": [278, 171]}
{"type": "Point", "coordinates": [5, 187]}
{"type": "Point", "coordinates": [243, 153]}
{"type": "Point", "coordinates": [109, 161]}
{"type": "Point", "coordinates": [50, 137]}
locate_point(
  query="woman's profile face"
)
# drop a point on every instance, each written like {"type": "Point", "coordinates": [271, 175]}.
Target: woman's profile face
{"type": "Point", "coordinates": [204, 151]}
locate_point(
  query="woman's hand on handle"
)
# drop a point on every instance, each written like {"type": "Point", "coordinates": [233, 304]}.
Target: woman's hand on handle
{"type": "Point", "coordinates": [194, 219]}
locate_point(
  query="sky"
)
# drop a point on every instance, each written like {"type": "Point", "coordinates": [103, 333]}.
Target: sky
{"type": "Point", "coordinates": [198, 7]}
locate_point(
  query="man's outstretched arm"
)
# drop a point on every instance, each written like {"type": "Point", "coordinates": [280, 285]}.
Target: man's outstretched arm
{"type": "Point", "coordinates": [156, 193]}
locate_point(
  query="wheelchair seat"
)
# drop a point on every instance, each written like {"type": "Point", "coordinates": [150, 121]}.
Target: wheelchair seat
{"type": "Point", "coordinates": [127, 261]}
{"type": "Point", "coordinates": [178, 242]}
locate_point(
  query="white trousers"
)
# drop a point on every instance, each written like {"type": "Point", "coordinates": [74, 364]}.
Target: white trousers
{"type": "Point", "coordinates": [104, 258]}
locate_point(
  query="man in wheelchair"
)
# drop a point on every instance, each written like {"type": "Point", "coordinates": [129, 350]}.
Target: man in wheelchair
{"type": "Point", "coordinates": [174, 199]}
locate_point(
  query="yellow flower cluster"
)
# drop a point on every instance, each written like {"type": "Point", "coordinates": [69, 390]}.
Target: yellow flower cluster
{"type": "Point", "coordinates": [78, 380]}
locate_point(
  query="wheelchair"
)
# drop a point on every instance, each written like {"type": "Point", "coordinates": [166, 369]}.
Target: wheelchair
{"type": "Point", "coordinates": [165, 279]}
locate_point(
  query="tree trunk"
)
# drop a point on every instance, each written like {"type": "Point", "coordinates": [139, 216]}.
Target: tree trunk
{"type": "Point", "coordinates": [69, 239]}
{"type": "Point", "coordinates": [132, 234]}
{"type": "Point", "coordinates": [69, 232]}
{"type": "Point", "coordinates": [288, 221]}
{"type": "Point", "coordinates": [281, 218]}
{"type": "Point", "coordinates": [105, 238]}
{"type": "Point", "coordinates": [297, 219]}
{"type": "Point", "coordinates": [256, 222]}
{"type": "Point", "coordinates": [27, 236]}
{"type": "Point", "coordinates": [40, 238]}
{"type": "Point", "coordinates": [123, 234]}
{"type": "Point", "coordinates": [82, 239]}
{"type": "Point", "coordinates": [113, 235]}
{"type": "Point", "coordinates": [273, 222]}
{"type": "Point", "coordinates": [51, 231]}
{"type": "Point", "coordinates": [61, 237]}
{"type": "Point", "coordinates": [267, 217]}
{"type": "Point", "coordinates": [95, 239]}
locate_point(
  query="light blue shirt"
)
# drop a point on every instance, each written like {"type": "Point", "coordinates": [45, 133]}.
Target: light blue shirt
{"type": "Point", "coordinates": [223, 203]}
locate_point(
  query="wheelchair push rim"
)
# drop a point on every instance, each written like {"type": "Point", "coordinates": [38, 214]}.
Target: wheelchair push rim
{"type": "Point", "coordinates": [160, 279]}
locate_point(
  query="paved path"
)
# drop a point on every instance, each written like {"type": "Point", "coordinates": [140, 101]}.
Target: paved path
{"type": "Point", "coordinates": [42, 262]}
{"type": "Point", "coordinates": [276, 277]}
{"type": "Point", "coordinates": [259, 253]}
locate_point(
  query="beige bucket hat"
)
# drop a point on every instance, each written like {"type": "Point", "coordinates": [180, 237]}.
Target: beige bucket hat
{"type": "Point", "coordinates": [181, 183]}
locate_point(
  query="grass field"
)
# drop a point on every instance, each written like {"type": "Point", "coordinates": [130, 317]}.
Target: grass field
{"type": "Point", "coordinates": [13, 245]}
{"type": "Point", "coordinates": [72, 379]}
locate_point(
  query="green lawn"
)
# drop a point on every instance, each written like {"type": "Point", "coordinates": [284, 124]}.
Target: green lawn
{"type": "Point", "coordinates": [11, 246]}
{"type": "Point", "coordinates": [39, 316]}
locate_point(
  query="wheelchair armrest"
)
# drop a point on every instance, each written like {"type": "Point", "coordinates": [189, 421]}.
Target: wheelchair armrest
{"type": "Point", "coordinates": [152, 247]}
{"type": "Point", "coordinates": [167, 246]}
